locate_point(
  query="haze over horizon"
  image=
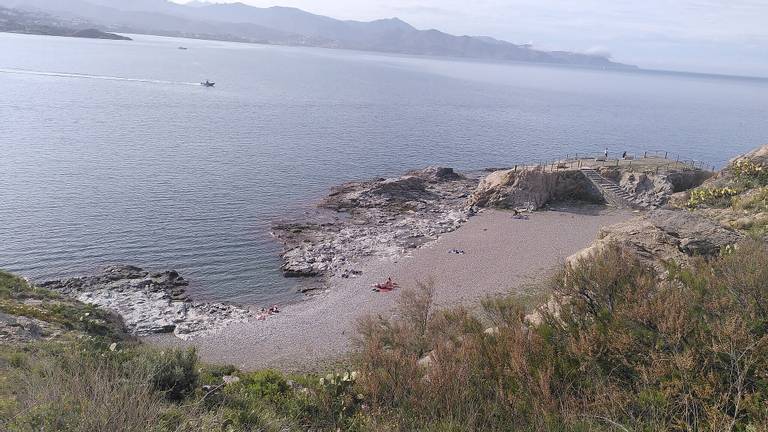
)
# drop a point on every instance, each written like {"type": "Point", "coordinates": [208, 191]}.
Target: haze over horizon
{"type": "Point", "coordinates": [707, 36]}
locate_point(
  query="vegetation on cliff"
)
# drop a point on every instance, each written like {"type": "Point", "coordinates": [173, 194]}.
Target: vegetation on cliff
{"type": "Point", "coordinates": [738, 196]}
{"type": "Point", "coordinates": [620, 349]}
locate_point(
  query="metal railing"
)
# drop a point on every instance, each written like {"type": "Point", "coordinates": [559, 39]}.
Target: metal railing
{"type": "Point", "coordinates": [577, 159]}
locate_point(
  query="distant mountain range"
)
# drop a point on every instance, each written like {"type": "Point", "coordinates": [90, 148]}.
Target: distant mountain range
{"type": "Point", "coordinates": [290, 26]}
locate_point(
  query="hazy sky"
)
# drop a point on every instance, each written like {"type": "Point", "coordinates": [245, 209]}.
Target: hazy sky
{"type": "Point", "coordinates": [721, 36]}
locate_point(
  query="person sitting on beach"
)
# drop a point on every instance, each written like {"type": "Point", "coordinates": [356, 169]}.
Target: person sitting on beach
{"type": "Point", "coordinates": [386, 286]}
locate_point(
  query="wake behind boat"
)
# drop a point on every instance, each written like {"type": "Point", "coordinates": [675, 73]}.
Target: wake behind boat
{"type": "Point", "coordinates": [207, 84]}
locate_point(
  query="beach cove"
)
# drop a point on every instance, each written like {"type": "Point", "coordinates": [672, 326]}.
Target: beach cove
{"type": "Point", "coordinates": [502, 255]}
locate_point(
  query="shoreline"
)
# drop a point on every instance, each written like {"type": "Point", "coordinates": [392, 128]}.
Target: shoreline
{"type": "Point", "coordinates": [431, 224]}
{"type": "Point", "coordinates": [502, 255]}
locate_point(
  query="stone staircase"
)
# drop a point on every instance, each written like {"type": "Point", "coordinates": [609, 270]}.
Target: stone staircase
{"type": "Point", "coordinates": [612, 192]}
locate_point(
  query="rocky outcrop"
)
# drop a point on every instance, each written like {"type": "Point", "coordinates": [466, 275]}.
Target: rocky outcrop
{"type": "Point", "coordinates": [532, 189]}
{"type": "Point", "coordinates": [652, 191]}
{"type": "Point", "coordinates": [380, 218]}
{"type": "Point", "coordinates": [758, 156]}
{"type": "Point", "coordinates": [436, 174]}
{"type": "Point", "coordinates": [149, 303]}
{"type": "Point", "coordinates": [666, 235]}
{"type": "Point", "coordinates": [21, 329]}
{"type": "Point", "coordinates": [648, 190]}
{"type": "Point", "coordinates": [382, 192]}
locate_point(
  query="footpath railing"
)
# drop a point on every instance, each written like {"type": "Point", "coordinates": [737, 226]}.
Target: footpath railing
{"type": "Point", "coordinates": [626, 159]}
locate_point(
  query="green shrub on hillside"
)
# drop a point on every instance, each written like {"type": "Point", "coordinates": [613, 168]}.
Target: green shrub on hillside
{"type": "Point", "coordinates": [19, 298]}
{"type": "Point", "coordinates": [711, 197]}
{"type": "Point", "coordinates": [172, 373]}
{"type": "Point", "coordinates": [750, 172]}
{"type": "Point", "coordinates": [618, 348]}
{"type": "Point", "coordinates": [619, 351]}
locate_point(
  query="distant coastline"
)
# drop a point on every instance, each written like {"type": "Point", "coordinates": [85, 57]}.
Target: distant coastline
{"type": "Point", "coordinates": [61, 32]}
{"type": "Point", "coordinates": [283, 26]}
{"type": "Point", "coordinates": [24, 22]}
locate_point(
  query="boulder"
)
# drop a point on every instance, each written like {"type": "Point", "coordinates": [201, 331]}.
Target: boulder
{"type": "Point", "coordinates": [665, 235]}
{"type": "Point", "coordinates": [436, 174]}
{"type": "Point", "coordinates": [533, 188]}
{"type": "Point", "coordinates": [697, 235]}
{"type": "Point", "coordinates": [230, 379]}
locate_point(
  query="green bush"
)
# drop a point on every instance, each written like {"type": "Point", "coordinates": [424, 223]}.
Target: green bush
{"type": "Point", "coordinates": [749, 172]}
{"type": "Point", "coordinates": [711, 197]}
{"type": "Point", "coordinates": [173, 372]}
{"type": "Point", "coordinates": [266, 384]}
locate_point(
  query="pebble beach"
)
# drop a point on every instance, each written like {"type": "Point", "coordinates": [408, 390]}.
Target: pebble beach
{"type": "Point", "coordinates": [502, 254]}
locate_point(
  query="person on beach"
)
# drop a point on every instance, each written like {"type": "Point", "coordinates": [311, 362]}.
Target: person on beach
{"type": "Point", "coordinates": [386, 286]}
{"type": "Point", "coordinates": [624, 155]}
{"type": "Point", "coordinates": [606, 152]}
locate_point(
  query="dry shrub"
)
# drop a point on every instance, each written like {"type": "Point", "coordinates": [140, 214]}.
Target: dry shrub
{"type": "Point", "coordinates": [73, 392]}
{"type": "Point", "coordinates": [626, 351]}
{"type": "Point", "coordinates": [83, 388]}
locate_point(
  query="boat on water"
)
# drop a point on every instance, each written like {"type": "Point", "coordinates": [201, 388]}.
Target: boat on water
{"type": "Point", "coordinates": [207, 84]}
{"type": "Point", "coordinates": [183, 48]}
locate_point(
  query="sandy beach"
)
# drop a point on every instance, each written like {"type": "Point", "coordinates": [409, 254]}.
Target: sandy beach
{"type": "Point", "coordinates": [501, 255]}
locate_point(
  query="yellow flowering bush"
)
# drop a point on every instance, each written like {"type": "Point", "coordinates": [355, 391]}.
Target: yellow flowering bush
{"type": "Point", "coordinates": [747, 170]}
{"type": "Point", "coordinates": [712, 197]}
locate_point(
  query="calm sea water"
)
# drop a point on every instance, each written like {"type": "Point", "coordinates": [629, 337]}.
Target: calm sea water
{"type": "Point", "coordinates": [110, 154]}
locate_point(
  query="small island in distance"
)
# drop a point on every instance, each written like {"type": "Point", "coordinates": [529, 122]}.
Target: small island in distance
{"type": "Point", "coordinates": [15, 21]}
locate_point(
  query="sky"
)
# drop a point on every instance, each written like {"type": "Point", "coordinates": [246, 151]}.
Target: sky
{"type": "Point", "coordinates": [715, 36]}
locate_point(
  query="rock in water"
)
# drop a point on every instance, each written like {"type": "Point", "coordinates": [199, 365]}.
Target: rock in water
{"type": "Point", "coordinates": [149, 303]}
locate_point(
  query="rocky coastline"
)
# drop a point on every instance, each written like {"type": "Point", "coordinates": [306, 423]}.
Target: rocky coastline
{"type": "Point", "coordinates": [150, 303]}
{"type": "Point", "coordinates": [381, 218]}
{"type": "Point", "coordinates": [385, 217]}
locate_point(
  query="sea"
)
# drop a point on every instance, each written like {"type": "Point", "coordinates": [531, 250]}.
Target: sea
{"type": "Point", "coordinates": [111, 152]}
